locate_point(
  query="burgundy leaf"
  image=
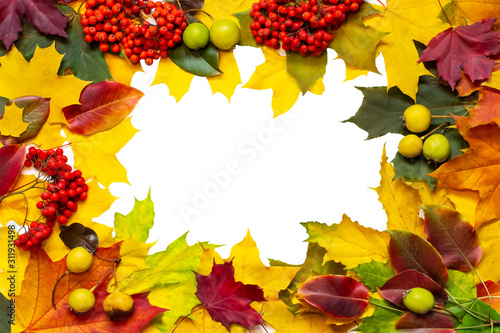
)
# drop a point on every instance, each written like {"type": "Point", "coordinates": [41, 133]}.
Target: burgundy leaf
{"type": "Point", "coordinates": [35, 112]}
{"type": "Point", "coordinates": [11, 162]}
{"type": "Point", "coordinates": [226, 300]}
{"type": "Point", "coordinates": [394, 289]}
{"type": "Point", "coordinates": [42, 14]}
{"type": "Point", "coordinates": [464, 48]}
{"type": "Point", "coordinates": [103, 106]}
{"type": "Point", "coordinates": [410, 251]}
{"type": "Point", "coordinates": [336, 295]}
{"type": "Point", "coordinates": [435, 320]}
{"type": "Point", "coordinates": [455, 239]}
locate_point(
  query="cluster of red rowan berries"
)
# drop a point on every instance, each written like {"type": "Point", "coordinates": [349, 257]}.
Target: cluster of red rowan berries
{"type": "Point", "coordinates": [302, 26]}
{"type": "Point", "coordinates": [66, 187]}
{"type": "Point", "coordinates": [117, 24]}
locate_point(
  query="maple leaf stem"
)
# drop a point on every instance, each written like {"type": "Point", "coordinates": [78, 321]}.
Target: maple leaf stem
{"type": "Point", "coordinates": [380, 2]}
{"type": "Point", "coordinates": [184, 317]}
{"type": "Point", "coordinates": [440, 309]}
{"type": "Point", "coordinates": [444, 13]}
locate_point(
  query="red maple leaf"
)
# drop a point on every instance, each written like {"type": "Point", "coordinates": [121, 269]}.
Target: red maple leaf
{"type": "Point", "coordinates": [42, 14]}
{"type": "Point", "coordinates": [464, 48]}
{"type": "Point", "coordinates": [36, 312]}
{"type": "Point", "coordinates": [226, 300]}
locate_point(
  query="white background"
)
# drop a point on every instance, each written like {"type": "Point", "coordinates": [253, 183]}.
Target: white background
{"type": "Point", "coordinates": [302, 166]}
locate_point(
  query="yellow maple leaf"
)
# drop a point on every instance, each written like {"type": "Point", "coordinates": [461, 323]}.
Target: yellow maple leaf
{"type": "Point", "coordinates": [272, 74]}
{"type": "Point", "coordinates": [12, 122]}
{"type": "Point", "coordinates": [39, 78]}
{"type": "Point", "coordinates": [13, 208]}
{"type": "Point", "coordinates": [13, 263]}
{"type": "Point", "coordinates": [465, 202]}
{"type": "Point", "coordinates": [201, 321]}
{"type": "Point", "coordinates": [95, 155]}
{"type": "Point", "coordinates": [249, 269]}
{"type": "Point", "coordinates": [225, 9]}
{"type": "Point", "coordinates": [120, 68]}
{"type": "Point", "coordinates": [226, 82]}
{"type": "Point", "coordinates": [276, 314]}
{"type": "Point", "coordinates": [406, 21]}
{"type": "Point", "coordinates": [208, 258]}
{"type": "Point", "coordinates": [466, 12]}
{"type": "Point", "coordinates": [49, 136]}
{"type": "Point", "coordinates": [132, 254]}
{"type": "Point", "coordinates": [352, 72]}
{"type": "Point", "coordinates": [177, 80]}
{"type": "Point", "coordinates": [348, 242]}
{"type": "Point", "coordinates": [401, 202]}
{"type": "Point", "coordinates": [487, 267]}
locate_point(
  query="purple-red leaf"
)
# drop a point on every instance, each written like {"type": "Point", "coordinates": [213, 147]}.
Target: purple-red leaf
{"type": "Point", "coordinates": [410, 251]}
{"type": "Point", "coordinates": [434, 320]}
{"type": "Point", "coordinates": [455, 239]}
{"type": "Point", "coordinates": [336, 295]}
{"type": "Point", "coordinates": [35, 112]}
{"type": "Point", "coordinates": [226, 300]}
{"type": "Point", "coordinates": [464, 48]}
{"type": "Point", "coordinates": [103, 106]}
{"type": "Point", "coordinates": [42, 14]}
{"type": "Point", "coordinates": [11, 162]}
{"type": "Point", "coordinates": [394, 289]}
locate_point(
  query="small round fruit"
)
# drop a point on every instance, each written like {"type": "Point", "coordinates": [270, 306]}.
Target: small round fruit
{"type": "Point", "coordinates": [79, 260]}
{"type": "Point", "coordinates": [410, 146]}
{"type": "Point", "coordinates": [418, 300]}
{"type": "Point", "coordinates": [436, 148]}
{"type": "Point", "coordinates": [224, 34]}
{"type": "Point", "coordinates": [196, 36]}
{"type": "Point", "coordinates": [118, 305]}
{"type": "Point", "coordinates": [81, 300]}
{"type": "Point", "coordinates": [417, 118]}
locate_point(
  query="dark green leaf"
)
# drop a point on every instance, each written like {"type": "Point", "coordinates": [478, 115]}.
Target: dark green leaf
{"type": "Point", "coordinates": [203, 62]}
{"type": "Point", "coordinates": [381, 111]}
{"type": "Point", "coordinates": [429, 65]}
{"type": "Point", "coordinates": [3, 102]}
{"type": "Point", "coordinates": [3, 51]}
{"type": "Point", "coordinates": [374, 274]}
{"type": "Point", "coordinates": [483, 310]}
{"type": "Point", "coordinates": [137, 223]}
{"type": "Point", "coordinates": [85, 60]}
{"type": "Point", "coordinates": [8, 313]}
{"type": "Point", "coordinates": [356, 43]}
{"type": "Point", "coordinates": [35, 112]}
{"type": "Point", "coordinates": [77, 234]}
{"type": "Point", "coordinates": [306, 69]}
{"type": "Point", "coordinates": [383, 319]}
{"type": "Point", "coordinates": [29, 39]}
{"type": "Point", "coordinates": [246, 38]}
{"type": "Point", "coordinates": [461, 285]}
{"type": "Point", "coordinates": [418, 167]}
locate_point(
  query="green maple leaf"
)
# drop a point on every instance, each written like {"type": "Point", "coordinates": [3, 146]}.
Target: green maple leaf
{"type": "Point", "coordinates": [461, 284]}
{"type": "Point", "coordinates": [29, 39]}
{"type": "Point", "coordinates": [137, 223]}
{"type": "Point", "coordinates": [356, 43]}
{"type": "Point", "coordinates": [84, 59]}
{"type": "Point", "coordinates": [306, 70]}
{"type": "Point", "coordinates": [374, 274]}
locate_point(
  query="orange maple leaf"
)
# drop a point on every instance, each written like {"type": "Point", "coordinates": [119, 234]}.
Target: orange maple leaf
{"type": "Point", "coordinates": [34, 306]}
{"type": "Point", "coordinates": [487, 109]}
{"type": "Point", "coordinates": [477, 169]}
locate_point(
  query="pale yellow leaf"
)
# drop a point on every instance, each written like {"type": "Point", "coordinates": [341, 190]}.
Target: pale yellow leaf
{"type": "Point", "coordinates": [132, 254]}
{"type": "Point", "coordinates": [177, 80]}
{"type": "Point", "coordinates": [401, 202]}
{"type": "Point", "coordinates": [352, 72]}
{"type": "Point", "coordinates": [348, 242]}
{"type": "Point", "coordinates": [249, 269]}
{"type": "Point", "coordinates": [487, 267]}
{"type": "Point", "coordinates": [272, 74]}
{"type": "Point", "coordinates": [95, 155]}
{"type": "Point", "coordinates": [39, 78]}
{"type": "Point", "coordinates": [12, 121]}
{"type": "Point", "coordinates": [226, 83]}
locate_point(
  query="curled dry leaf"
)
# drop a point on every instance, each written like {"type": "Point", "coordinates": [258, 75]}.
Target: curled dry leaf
{"type": "Point", "coordinates": [453, 237]}
{"type": "Point", "coordinates": [336, 295]}
{"type": "Point", "coordinates": [11, 162]}
{"type": "Point", "coordinates": [394, 289]}
{"type": "Point", "coordinates": [77, 234]}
